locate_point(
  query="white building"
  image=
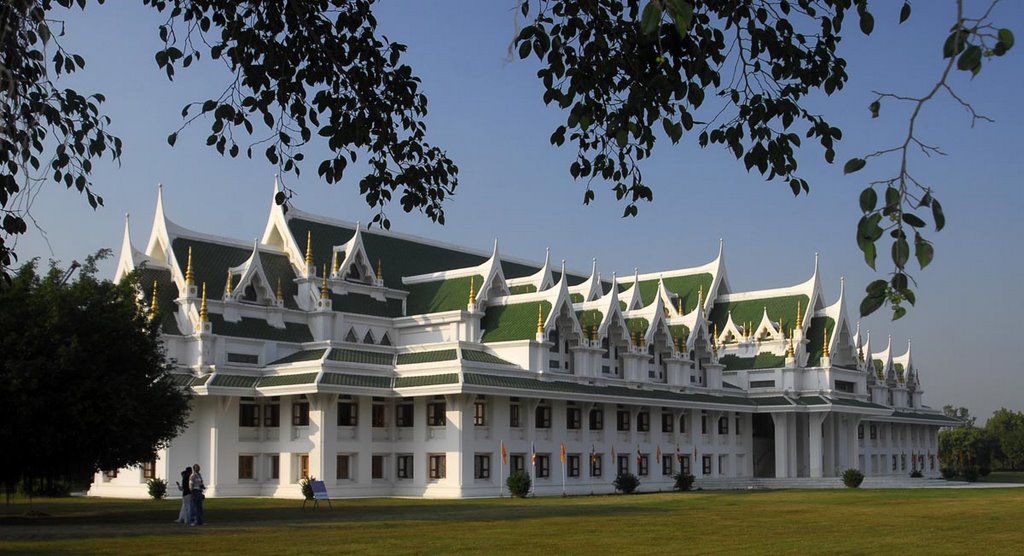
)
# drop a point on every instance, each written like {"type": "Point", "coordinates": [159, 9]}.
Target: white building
{"type": "Point", "coordinates": [390, 365]}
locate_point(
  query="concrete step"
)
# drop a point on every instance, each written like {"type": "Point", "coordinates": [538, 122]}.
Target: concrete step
{"type": "Point", "coordinates": [746, 483]}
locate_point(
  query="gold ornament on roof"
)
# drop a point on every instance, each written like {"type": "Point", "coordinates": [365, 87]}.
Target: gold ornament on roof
{"type": "Point", "coordinates": [152, 304]}
{"type": "Point", "coordinates": [540, 318]}
{"type": "Point", "coordinates": [280, 292]}
{"type": "Point", "coordinates": [309, 249]}
{"type": "Point", "coordinates": [227, 286]}
{"type": "Point", "coordinates": [202, 306]}
{"type": "Point", "coordinates": [799, 316]}
{"type": "Point", "coordinates": [323, 285]}
{"type": "Point", "coordinates": [679, 305]}
{"type": "Point", "coordinates": [860, 353]}
{"type": "Point", "coordinates": [190, 278]}
{"type": "Point", "coordinates": [789, 350]}
{"type": "Point", "coordinates": [380, 275]}
{"type": "Point", "coordinates": [472, 290]}
{"type": "Point", "coordinates": [825, 345]}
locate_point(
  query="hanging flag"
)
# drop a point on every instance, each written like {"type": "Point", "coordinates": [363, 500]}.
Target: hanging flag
{"type": "Point", "coordinates": [533, 454]}
{"type": "Point", "coordinates": [695, 454]}
{"type": "Point", "coordinates": [593, 454]}
{"type": "Point", "coordinates": [613, 454]}
{"type": "Point", "coordinates": [562, 456]}
{"type": "Point", "coordinates": [658, 453]}
{"type": "Point", "coordinates": [504, 453]}
{"type": "Point", "coordinates": [679, 455]}
{"type": "Point", "coordinates": [638, 457]}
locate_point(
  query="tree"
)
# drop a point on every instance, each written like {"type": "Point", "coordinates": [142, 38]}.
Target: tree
{"type": "Point", "coordinates": [961, 413]}
{"type": "Point", "coordinates": [1007, 430]}
{"type": "Point", "coordinates": [84, 382]}
{"type": "Point", "coordinates": [967, 451]}
{"type": "Point", "coordinates": [734, 72]}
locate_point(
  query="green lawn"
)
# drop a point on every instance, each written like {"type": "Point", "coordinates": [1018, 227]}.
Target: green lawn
{"type": "Point", "coordinates": [914, 521]}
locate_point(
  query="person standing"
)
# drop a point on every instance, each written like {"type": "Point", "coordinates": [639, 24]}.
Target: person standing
{"type": "Point", "coordinates": [185, 514]}
{"type": "Point", "coordinates": [197, 487]}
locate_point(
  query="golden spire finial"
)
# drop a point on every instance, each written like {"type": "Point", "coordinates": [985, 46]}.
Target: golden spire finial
{"type": "Point", "coordinates": [782, 330]}
{"type": "Point", "coordinates": [227, 286]}
{"type": "Point", "coordinates": [540, 318]}
{"type": "Point", "coordinates": [323, 285]}
{"type": "Point", "coordinates": [799, 316]}
{"type": "Point", "coordinates": [190, 278]}
{"type": "Point", "coordinates": [593, 333]}
{"type": "Point", "coordinates": [472, 290]}
{"type": "Point", "coordinates": [789, 350]}
{"type": "Point", "coordinates": [714, 338]}
{"type": "Point", "coordinates": [860, 352]}
{"type": "Point", "coordinates": [280, 292]}
{"type": "Point", "coordinates": [380, 275]}
{"type": "Point", "coordinates": [825, 344]}
{"type": "Point", "coordinates": [202, 306]}
{"type": "Point", "coordinates": [309, 249]}
{"type": "Point", "coordinates": [679, 305]}
{"type": "Point", "coordinates": [152, 304]}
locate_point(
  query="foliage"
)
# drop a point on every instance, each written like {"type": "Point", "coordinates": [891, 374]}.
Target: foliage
{"type": "Point", "coordinates": [157, 488]}
{"type": "Point", "coordinates": [84, 380]}
{"type": "Point", "coordinates": [45, 486]}
{"type": "Point", "coordinates": [966, 451]}
{"type": "Point", "coordinates": [626, 483]}
{"type": "Point", "coordinates": [306, 485]}
{"type": "Point", "coordinates": [518, 483]}
{"type": "Point", "coordinates": [684, 481]}
{"type": "Point", "coordinates": [1007, 429]}
{"type": "Point", "coordinates": [961, 413]}
{"type": "Point", "coordinates": [852, 478]}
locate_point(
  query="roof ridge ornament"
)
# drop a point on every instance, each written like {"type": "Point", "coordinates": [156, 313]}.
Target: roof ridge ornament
{"type": "Point", "coordinates": [202, 307]}
{"type": "Point", "coordinates": [153, 304]}
{"type": "Point", "coordinates": [824, 346]}
{"type": "Point", "coordinates": [279, 293]}
{"type": "Point", "coordinates": [799, 315]}
{"type": "Point", "coordinates": [540, 318]}
{"type": "Point", "coordinates": [190, 278]}
{"type": "Point", "coordinates": [227, 285]}
{"type": "Point", "coordinates": [472, 290]}
{"type": "Point", "coordinates": [309, 248]}
{"type": "Point", "coordinates": [323, 285]}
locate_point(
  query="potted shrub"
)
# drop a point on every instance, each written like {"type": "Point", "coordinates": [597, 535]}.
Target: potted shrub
{"type": "Point", "coordinates": [852, 478]}
{"type": "Point", "coordinates": [518, 483]}
{"type": "Point", "coordinates": [626, 483]}
{"type": "Point", "coordinates": [684, 481]}
{"type": "Point", "coordinates": [157, 488]}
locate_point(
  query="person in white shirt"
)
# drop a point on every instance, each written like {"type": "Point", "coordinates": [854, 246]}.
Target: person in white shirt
{"type": "Point", "coordinates": [197, 486]}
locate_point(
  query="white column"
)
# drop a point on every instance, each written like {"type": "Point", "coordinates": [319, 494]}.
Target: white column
{"type": "Point", "coordinates": [696, 467]}
{"type": "Point", "coordinates": [852, 456]}
{"type": "Point", "coordinates": [781, 421]}
{"type": "Point", "coordinates": [829, 444]}
{"type": "Point", "coordinates": [814, 421]}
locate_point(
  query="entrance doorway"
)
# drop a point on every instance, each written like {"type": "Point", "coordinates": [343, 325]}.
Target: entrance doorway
{"type": "Point", "coordinates": [764, 445]}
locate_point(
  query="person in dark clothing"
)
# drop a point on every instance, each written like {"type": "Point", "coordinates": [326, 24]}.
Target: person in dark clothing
{"type": "Point", "coordinates": [185, 515]}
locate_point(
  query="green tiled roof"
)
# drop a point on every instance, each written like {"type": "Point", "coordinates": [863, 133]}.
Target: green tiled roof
{"type": "Point", "coordinates": [522, 288]}
{"type": "Point", "coordinates": [576, 298]}
{"type": "Point", "coordinates": [201, 380]}
{"type": "Point", "coordinates": [816, 338]}
{"type": "Point", "coordinates": [287, 380]}
{"type": "Point", "coordinates": [686, 287]}
{"type": "Point", "coordinates": [366, 305]}
{"type": "Point", "coordinates": [441, 295]}
{"type": "Point", "coordinates": [357, 356]}
{"type": "Point", "coordinates": [856, 403]}
{"type": "Point", "coordinates": [426, 380]}
{"type": "Point", "coordinates": [503, 323]}
{"type": "Point", "coordinates": [210, 263]}
{"type": "Point", "coordinates": [183, 380]}
{"type": "Point", "coordinates": [938, 417]}
{"type": "Point", "coordinates": [637, 326]}
{"type": "Point", "coordinates": [358, 381]}
{"type": "Point", "coordinates": [398, 257]}
{"type": "Point", "coordinates": [679, 331]}
{"type": "Point", "coordinates": [763, 360]}
{"type": "Point", "coordinates": [751, 310]}
{"type": "Point", "coordinates": [260, 330]}
{"type": "Point", "coordinates": [484, 357]}
{"type": "Point", "coordinates": [166, 293]}
{"type": "Point", "coordinates": [898, 367]}
{"type": "Point", "coordinates": [772, 401]}
{"type": "Point", "coordinates": [426, 356]}
{"type": "Point", "coordinates": [233, 381]}
{"type": "Point", "coordinates": [522, 383]}
{"type": "Point", "coordinates": [811, 400]}
{"type": "Point", "coordinates": [590, 317]}
{"type": "Point", "coordinates": [879, 367]}
{"type": "Point", "coordinates": [300, 356]}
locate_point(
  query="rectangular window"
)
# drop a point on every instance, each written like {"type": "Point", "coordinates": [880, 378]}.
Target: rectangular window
{"type": "Point", "coordinates": [643, 421]}
{"type": "Point", "coordinates": [723, 425]}
{"type": "Point", "coordinates": [275, 466]}
{"type": "Point", "coordinates": [931, 462]}
{"type": "Point", "coordinates": [517, 462]}
{"type": "Point", "coordinates": [513, 415]}
{"type": "Point", "coordinates": [543, 415]}
{"type": "Point", "coordinates": [272, 415]}
{"type": "Point", "coordinates": [480, 413]}
{"type": "Point", "coordinates": [437, 466]}
{"type": "Point", "coordinates": [873, 431]}
{"type": "Point", "coordinates": [623, 464]}
{"type": "Point", "coordinates": [762, 384]}
{"type": "Point", "coordinates": [641, 468]}
{"type": "Point", "coordinates": [622, 420]}
{"type": "Point", "coordinates": [667, 465]}
{"type": "Point", "coordinates": [595, 465]}
{"type": "Point", "coordinates": [348, 414]}
{"type": "Point", "coordinates": [246, 467]}
{"type": "Point", "coordinates": [243, 358]}
{"type": "Point", "coordinates": [343, 470]}
{"type": "Point", "coordinates": [596, 419]}
{"type": "Point", "coordinates": [860, 432]}
{"type": "Point", "coordinates": [572, 465]}
{"type": "Point", "coordinates": [377, 467]}
{"type": "Point", "coordinates": [404, 415]}
{"type": "Point", "coordinates": [248, 415]}
{"type": "Point", "coordinates": [303, 466]}
{"type": "Point", "coordinates": [482, 466]}
{"type": "Point", "coordinates": [436, 416]}
{"type": "Point", "coordinates": [300, 413]}
{"type": "Point", "coordinates": [894, 462]}
{"type": "Point", "coordinates": [543, 466]}
{"type": "Point", "coordinates": [903, 462]}
{"type": "Point", "coordinates": [706, 464]}
{"type": "Point", "coordinates": [403, 470]}
{"type": "Point", "coordinates": [846, 386]}
{"type": "Point", "coordinates": [667, 422]}
{"type": "Point", "coordinates": [573, 418]}
{"type": "Point", "coordinates": [111, 474]}
{"type": "Point", "coordinates": [149, 469]}
{"type": "Point", "coordinates": [378, 415]}
{"type": "Point", "coordinates": [682, 424]}
{"type": "Point", "coordinates": [684, 465]}
{"type": "Point", "coordinates": [738, 421]}
{"type": "Point", "coordinates": [703, 424]}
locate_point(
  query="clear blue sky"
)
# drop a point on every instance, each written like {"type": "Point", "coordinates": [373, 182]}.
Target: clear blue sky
{"type": "Point", "coordinates": [487, 112]}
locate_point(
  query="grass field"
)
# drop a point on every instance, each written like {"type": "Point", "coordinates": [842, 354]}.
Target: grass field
{"type": "Point", "coordinates": [914, 521]}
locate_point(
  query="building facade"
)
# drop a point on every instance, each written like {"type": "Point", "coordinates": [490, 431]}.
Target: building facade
{"type": "Point", "coordinates": [389, 365]}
